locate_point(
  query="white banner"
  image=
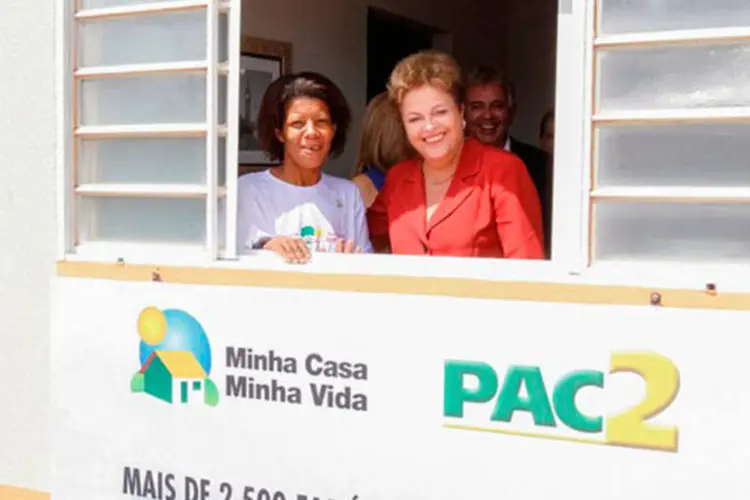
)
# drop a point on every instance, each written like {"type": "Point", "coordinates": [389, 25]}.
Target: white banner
{"type": "Point", "coordinates": [175, 392]}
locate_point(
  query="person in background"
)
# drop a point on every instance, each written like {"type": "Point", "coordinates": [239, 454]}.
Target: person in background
{"type": "Point", "coordinates": [490, 109]}
{"type": "Point", "coordinates": [459, 197]}
{"type": "Point", "coordinates": [547, 143]}
{"type": "Point", "coordinates": [547, 133]}
{"type": "Point", "coordinates": [383, 144]}
{"type": "Point", "coordinates": [295, 209]}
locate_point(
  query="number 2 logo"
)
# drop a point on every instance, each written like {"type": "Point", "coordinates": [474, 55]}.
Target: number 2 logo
{"type": "Point", "coordinates": [631, 428]}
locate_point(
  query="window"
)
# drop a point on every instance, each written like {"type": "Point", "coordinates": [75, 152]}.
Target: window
{"type": "Point", "coordinates": [670, 125]}
{"type": "Point", "coordinates": [657, 173]}
{"type": "Point", "coordinates": [150, 141]}
{"type": "Point", "coordinates": [150, 129]}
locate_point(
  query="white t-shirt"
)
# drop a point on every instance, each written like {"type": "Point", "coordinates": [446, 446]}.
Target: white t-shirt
{"type": "Point", "coordinates": [320, 214]}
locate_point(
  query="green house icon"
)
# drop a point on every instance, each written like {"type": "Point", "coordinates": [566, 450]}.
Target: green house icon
{"type": "Point", "coordinates": [175, 376]}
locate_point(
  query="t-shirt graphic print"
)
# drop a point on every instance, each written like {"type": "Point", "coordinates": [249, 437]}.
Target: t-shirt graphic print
{"type": "Point", "coordinates": [319, 214]}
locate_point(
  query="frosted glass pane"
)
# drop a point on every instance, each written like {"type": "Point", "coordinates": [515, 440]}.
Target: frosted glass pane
{"type": "Point", "coordinates": [223, 38]}
{"type": "Point", "coordinates": [678, 155]}
{"type": "Point", "coordinates": [222, 223]}
{"type": "Point", "coordinates": [152, 220]}
{"type": "Point", "coordinates": [222, 163]}
{"type": "Point", "coordinates": [691, 76]}
{"type": "Point", "coordinates": [628, 16]}
{"type": "Point", "coordinates": [223, 89]}
{"type": "Point", "coordinates": [164, 37]}
{"type": "Point", "coordinates": [143, 161]}
{"type": "Point", "coordinates": [144, 99]}
{"type": "Point", "coordinates": [672, 232]}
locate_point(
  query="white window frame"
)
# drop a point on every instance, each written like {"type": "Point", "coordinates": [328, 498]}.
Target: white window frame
{"type": "Point", "coordinates": [574, 162]}
{"type": "Point", "coordinates": [736, 277]}
{"type": "Point", "coordinates": [69, 76]}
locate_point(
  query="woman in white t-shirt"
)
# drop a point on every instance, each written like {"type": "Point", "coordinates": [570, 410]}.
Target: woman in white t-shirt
{"type": "Point", "coordinates": [295, 209]}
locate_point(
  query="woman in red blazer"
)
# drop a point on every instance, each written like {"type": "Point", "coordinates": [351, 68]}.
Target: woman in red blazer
{"type": "Point", "coordinates": [460, 198]}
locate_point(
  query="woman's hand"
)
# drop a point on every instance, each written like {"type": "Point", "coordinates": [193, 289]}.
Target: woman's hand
{"type": "Point", "coordinates": [293, 250]}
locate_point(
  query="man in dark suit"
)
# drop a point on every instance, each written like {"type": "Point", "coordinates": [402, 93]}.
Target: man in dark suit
{"type": "Point", "coordinates": [489, 110]}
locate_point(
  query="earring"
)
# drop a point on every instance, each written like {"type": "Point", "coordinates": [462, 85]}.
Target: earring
{"type": "Point", "coordinates": [463, 123]}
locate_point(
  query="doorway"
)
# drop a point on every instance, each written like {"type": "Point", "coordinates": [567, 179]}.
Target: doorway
{"type": "Point", "coordinates": [390, 38]}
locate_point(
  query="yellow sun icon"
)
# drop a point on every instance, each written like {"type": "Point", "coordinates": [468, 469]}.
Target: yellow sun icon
{"type": "Point", "coordinates": [152, 325]}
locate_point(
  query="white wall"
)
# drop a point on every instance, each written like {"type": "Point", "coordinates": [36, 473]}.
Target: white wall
{"type": "Point", "coordinates": [27, 241]}
{"type": "Point", "coordinates": [331, 40]}
{"type": "Point", "coordinates": [329, 36]}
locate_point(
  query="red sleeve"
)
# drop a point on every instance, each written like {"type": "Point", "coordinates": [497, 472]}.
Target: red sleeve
{"type": "Point", "coordinates": [377, 218]}
{"type": "Point", "coordinates": [518, 212]}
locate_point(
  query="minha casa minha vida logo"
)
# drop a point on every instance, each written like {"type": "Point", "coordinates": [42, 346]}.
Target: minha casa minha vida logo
{"type": "Point", "coordinates": [175, 358]}
{"type": "Point", "coordinates": [176, 361]}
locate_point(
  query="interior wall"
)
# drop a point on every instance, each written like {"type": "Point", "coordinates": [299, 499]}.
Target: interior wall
{"type": "Point", "coordinates": [520, 37]}
{"type": "Point", "coordinates": [530, 51]}
{"type": "Point", "coordinates": [332, 40]}
{"type": "Point", "coordinates": [28, 238]}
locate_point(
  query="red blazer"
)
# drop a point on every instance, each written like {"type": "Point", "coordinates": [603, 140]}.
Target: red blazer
{"type": "Point", "coordinates": [491, 209]}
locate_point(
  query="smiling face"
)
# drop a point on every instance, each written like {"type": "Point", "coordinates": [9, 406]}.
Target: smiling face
{"type": "Point", "coordinates": [307, 133]}
{"type": "Point", "coordinates": [488, 113]}
{"type": "Point", "coordinates": [432, 121]}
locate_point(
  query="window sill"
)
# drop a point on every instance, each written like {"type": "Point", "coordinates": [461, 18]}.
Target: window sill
{"type": "Point", "coordinates": [328, 263]}
{"type": "Point", "coordinates": [543, 281]}
{"type": "Point", "coordinates": [731, 278]}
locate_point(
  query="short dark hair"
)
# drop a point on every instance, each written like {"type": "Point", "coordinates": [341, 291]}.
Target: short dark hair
{"type": "Point", "coordinates": [283, 90]}
{"type": "Point", "coordinates": [485, 75]}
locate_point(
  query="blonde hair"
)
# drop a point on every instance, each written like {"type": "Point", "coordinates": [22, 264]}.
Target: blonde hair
{"type": "Point", "coordinates": [383, 142]}
{"type": "Point", "coordinates": [427, 67]}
